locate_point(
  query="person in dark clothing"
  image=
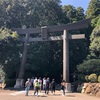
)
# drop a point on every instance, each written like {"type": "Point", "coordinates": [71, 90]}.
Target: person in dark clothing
{"type": "Point", "coordinates": [32, 83]}
{"type": "Point", "coordinates": [47, 86]}
{"type": "Point", "coordinates": [52, 86]}
{"type": "Point", "coordinates": [63, 87]}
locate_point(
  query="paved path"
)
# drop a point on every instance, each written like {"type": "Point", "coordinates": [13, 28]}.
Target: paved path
{"type": "Point", "coordinates": [20, 95]}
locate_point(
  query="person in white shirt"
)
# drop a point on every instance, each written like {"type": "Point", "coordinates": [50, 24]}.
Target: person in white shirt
{"type": "Point", "coordinates": [44, 84]}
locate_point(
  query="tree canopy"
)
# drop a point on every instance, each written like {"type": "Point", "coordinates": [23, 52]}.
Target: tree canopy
{"type": "Point", "coordinates": [95, 42]}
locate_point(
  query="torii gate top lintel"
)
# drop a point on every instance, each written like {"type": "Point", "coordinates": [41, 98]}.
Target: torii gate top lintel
{"type": "Point", "coordinates": [56, 28]}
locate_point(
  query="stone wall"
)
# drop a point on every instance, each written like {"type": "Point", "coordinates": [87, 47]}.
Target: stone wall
{"type": "Point", "coordinates": [91, 88]}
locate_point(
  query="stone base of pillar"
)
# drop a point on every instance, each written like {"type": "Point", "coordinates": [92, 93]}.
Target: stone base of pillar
{"type": "Point", "coordinates": [19, 83]}
{"type": "Point", "coordinates": [68, 87]}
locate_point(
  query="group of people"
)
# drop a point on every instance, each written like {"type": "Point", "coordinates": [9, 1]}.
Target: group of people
{"type": "Point", "coordinates": [39, 84]}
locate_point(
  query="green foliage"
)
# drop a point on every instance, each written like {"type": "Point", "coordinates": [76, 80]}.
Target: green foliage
{"type": "Point", "coordinates": [73, 14]}
{"type": "Point", "coordinates": [33, 13]}
{"type": "Point", "coordinates": [9, 53]}
{"type": "Point", "coordinates": [10, 82]}
{"type": "Point", "coordinates": [80, 78]}
{"type": "Point", "coordinates": [86, 78]}
{"type": "Point", "coordinates": [92, 77]}
{"type": "Point", "coordinates": [86, 68]}
{"type": "Point", "coordinates": [80, 13]}
{"type": "Point", "coordinates": [44, 59]}
{"type": "Point", "coordinates": [95, 21]}
{"type": "Point", "coordinates": [93, 9]}
{"type": "Point", "coordinates": [95, 43]}
{"type": "Point", "coordinates": [5, 32]}
{"type": "Point", "coordinates": [98, 22]}
{"type": "Point", "coordinates": [2, 74]}
{"type": "Point", "coordinates": [99, 78]}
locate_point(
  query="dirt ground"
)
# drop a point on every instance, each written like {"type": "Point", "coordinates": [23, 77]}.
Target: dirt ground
{"type": "Point", "coordinates": [20, 95]}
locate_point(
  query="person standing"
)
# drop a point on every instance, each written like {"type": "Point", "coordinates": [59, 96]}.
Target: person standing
{"type": "Point", "coordinates": [44, 84]}
{"type": "Point", "coordinates": [47, 86]}
{"type": "Point", "coordinates": [63, 87]}
{"type": "Point", "coordinates": [27, 85]}
{"type": "Point", "coordinates": [40, 82]}
{"type": "Point", "coordinates": [32, 82]}
{"type": "Point", "coordinates": [36, 87]}
{"type": "Point", "coordinates": [52, 86]}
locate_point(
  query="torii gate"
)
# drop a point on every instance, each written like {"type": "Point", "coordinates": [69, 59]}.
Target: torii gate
{"type": "Point", "coordinates": [44, 37]}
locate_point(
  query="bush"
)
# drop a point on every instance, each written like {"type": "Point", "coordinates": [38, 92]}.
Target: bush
{"type": "Point", "coordinates": [92, 77]}
{"type": "Point", "coordinates": [88, 67]}
{"type": "Point", "coordinates": [99, 78]}
{"type": "Point", "coordinates": [87, 78]}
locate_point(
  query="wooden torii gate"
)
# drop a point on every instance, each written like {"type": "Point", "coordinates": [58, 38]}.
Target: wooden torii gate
{"type": "Point", "coordinates": [44, 37]}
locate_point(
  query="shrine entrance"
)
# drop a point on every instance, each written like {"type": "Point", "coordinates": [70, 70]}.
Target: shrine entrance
{"type": "Point", "coordinates": [44, 31]}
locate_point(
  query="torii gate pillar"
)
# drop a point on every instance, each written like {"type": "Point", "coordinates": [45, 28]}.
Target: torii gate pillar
{"type": "Point", "coordinates": [66, 60]}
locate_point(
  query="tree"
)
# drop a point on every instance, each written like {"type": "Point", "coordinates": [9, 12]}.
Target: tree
{"type": "Point", "coordinates": [92, 61]}
{"type": "Point", "coordinates": [31, 13]}
{"type": "Point", "coordinates": [73, 14]}
{"type": "Point", "coordinates": [86, 68]}
{"type": "Point", "coordinates": [95, 42]}
{"type": "Point", "coordinates": [70, 12]}
{"type": "Point", "coordinates": [80, 13]}
{"type": "Point", "coordinates": [9, 53]}
{"type": "Point", "coordinates": [44, 60]}
{"type": "Point", "coordinates": [93, 11]}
